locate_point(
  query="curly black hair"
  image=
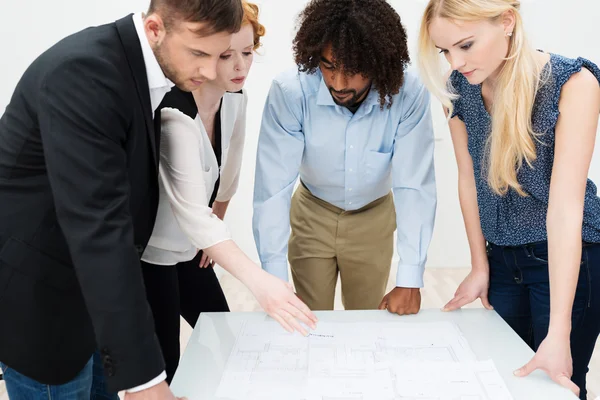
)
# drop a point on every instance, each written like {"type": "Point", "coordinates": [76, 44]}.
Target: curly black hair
{"type": "Point", "coordinates": [366, 36]}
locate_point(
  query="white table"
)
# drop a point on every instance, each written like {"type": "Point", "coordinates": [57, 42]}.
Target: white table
{"type": "Point", "coordinates": [489, 336]}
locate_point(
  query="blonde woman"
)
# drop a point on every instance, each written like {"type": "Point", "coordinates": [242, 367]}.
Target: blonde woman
{"type": "Point", "coordinates": [523, 125]}
{"type": "Point", "coordinates": [202, 141]}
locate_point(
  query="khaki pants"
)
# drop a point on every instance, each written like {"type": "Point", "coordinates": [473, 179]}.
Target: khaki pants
{"type": "Point", "coordinates": [326, 240]}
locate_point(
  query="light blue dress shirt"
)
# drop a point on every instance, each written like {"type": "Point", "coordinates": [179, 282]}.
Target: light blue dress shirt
{"type": "Point", "coordinates": [347, 160]}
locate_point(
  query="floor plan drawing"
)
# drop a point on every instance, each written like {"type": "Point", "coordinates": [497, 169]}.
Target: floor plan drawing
{"type": "Point", "coordinates": [358, 361]}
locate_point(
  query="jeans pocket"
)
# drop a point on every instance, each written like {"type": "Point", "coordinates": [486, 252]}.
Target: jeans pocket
{"type": "Point", "coordinates": [538, 253]}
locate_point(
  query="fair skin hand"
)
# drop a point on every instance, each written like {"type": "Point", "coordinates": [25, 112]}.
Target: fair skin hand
{"type": "Point", "coordinates": [402, 301]}
{"type": "Point", "coordinates": [157, 392]}
{"type": "Point", "coordinates": [474, 286]}
{"type": "Point", "coordinates": [275, 296]}
{"type": "Point", "coordinates": [576, 128]}
{"type": "Point", "coordinates": [205, 261]}
{"type": "Point", "coordinates": [472, 48]}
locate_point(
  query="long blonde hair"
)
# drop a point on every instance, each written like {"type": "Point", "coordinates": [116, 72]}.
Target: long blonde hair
{"type": "Point", "coordinates": [512, 139]}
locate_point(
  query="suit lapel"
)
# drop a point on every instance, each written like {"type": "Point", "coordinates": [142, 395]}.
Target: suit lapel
{"type": "Point", "coordinates": [135, 58]}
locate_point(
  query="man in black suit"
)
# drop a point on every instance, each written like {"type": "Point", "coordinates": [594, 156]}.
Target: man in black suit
{"type": "Point", "coordinates": [78, 198]}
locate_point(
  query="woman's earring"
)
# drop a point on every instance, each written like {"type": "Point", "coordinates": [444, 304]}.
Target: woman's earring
{"type": "Point", "coordinates": [509, 34]}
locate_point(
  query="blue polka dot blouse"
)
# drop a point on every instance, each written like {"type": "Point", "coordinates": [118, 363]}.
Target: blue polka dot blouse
{"type": "Point", "coordinates": [513, 220]}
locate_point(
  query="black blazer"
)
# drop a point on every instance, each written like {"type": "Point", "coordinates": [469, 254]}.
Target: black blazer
{"type": "Point", "coordinates": [78, 199]}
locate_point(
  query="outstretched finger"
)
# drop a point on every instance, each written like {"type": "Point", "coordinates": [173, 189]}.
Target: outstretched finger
{"type": "Point", "coordinates": [291, 321]}
{"type": "Point", "coordinates": [282, 322]}
{"type": "Point", "coordinates": [303, 308]}
{"type": "Point", "coordinates": [203, 260]}
{"type": "Point", "coordinates": [455, 303]}
{"type": "Point", "coordinates": [486, 302]}
{"type": "Point", "coordinates": [527, 368]}
{"type": "Point", "coordinates": [299, 315]}
{"type": "Point", "coordinates": [564, 380]}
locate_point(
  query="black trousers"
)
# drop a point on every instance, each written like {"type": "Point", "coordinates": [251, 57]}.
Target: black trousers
{"type": "Point", "coordinates": [186, 290]}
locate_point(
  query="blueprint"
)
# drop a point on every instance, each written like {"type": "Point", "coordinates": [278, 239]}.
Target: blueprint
{"type": "Point", "coordinates": [415, 381]}
{"type": "Point", "coordinates": [358, 361]}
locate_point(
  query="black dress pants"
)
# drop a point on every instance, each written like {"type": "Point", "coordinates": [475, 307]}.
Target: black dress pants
{"type": "Point", "coordinates": [186, 290]}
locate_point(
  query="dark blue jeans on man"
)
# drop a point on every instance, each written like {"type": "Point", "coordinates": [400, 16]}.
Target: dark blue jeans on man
{"type": "Point", "coordinates": [520, 293]}
{"type": "Point", "coordinates": [89, 384]}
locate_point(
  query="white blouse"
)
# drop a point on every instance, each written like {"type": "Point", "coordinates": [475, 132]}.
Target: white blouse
{"type": "Point", "coordinates": [188, 171]}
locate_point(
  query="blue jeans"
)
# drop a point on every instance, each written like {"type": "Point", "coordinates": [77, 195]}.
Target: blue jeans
{"type": "Point", "coordinates": [88, 384]}
{"type": "Point", "coordinates": [520, 293]}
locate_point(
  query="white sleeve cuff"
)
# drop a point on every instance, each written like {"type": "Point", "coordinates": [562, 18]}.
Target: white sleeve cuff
{"type": "Point", "coordinates": [153, 382]}
{"type": "Point", "coordinates": [410, 276]}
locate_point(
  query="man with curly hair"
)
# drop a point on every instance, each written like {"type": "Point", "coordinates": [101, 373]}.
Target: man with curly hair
{"type": "Point", "coordinates": [356, 127]}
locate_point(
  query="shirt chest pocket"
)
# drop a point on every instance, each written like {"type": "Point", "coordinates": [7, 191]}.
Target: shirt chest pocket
{"type": "Point", "coordinates": [377, 165]}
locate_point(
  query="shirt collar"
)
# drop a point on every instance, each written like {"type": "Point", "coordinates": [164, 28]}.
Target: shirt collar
{"type": "Point", "coordinates": [156, 76]}
{"type": "Point", "coordinates": [324, 96]}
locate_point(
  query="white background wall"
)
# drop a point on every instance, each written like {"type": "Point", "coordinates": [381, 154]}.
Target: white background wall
{"type": "Point", "coordinates": [569, 28]}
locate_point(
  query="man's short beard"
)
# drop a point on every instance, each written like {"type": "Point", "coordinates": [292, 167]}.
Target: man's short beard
{"type": "Point", "coordinates": [354, 99]}
{"type": "Point", "coordinates": [167, 68]}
